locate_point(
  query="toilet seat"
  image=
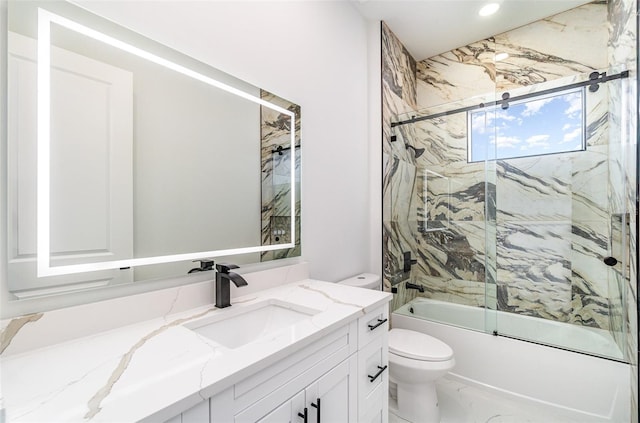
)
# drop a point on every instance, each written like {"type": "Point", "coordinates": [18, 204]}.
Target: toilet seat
{"type": "Point", "coordinates": [418, 346]}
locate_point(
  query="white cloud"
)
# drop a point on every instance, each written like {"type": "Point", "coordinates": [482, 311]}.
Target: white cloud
{"type": "Point", "coordinates": [534, 107]}
{"type": "Point", "coordinates": [574, 102]}
{"type": "Point", "coordinates": [571, 136]}
{"type": "Point", "coordinates": [479, 122]}
{"type": "Point", "coordinates": [566, 126]}
{"type": "Point", "coordinates": [537, 141]}
{"type": "Point", "coordinates": [507, 142]}
{"type": "Point", "coordinates": [485, 121]}
{"type": "Point", "coordinates": [504, 115]}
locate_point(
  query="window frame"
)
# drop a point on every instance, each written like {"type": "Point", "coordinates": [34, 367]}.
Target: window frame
{"type": "Point", "coordinates": [556, 93]}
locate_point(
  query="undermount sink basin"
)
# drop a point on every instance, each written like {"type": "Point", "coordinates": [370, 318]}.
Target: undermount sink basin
{"type": "Point", "coordinates": [234, 328]}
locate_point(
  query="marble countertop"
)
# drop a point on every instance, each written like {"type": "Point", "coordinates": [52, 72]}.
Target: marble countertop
{"type": "Point", "coordinates": [158, 368]}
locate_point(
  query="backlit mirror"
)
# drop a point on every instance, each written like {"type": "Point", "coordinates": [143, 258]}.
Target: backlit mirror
{"type": "Point", "coordinates": [130, 161]}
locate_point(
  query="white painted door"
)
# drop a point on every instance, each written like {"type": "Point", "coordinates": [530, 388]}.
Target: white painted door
{"type": "Point", "coordinates": [332, 398]}
{"type": "Point", "coordinates": [91, 168]}
{"type": "Point", "coordinates": [291, 411]}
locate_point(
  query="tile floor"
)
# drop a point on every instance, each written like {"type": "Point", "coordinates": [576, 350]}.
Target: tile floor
{"type": "Point", "coordinates": [461, 403]}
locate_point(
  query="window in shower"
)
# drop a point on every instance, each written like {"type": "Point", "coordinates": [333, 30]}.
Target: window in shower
{"type": "Point", "coordinates": [548, 124]}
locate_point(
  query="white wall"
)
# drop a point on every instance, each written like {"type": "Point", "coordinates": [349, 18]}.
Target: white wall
{"type": "Point", "coordinates": [311, 53]}
{"type": "Point", "coordinates": [375, 146]}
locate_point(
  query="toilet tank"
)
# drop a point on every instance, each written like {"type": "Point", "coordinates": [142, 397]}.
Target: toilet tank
{"type": "Point", "coordinates": [363, 280]}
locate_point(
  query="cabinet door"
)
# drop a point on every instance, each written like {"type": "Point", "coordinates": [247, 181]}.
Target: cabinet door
{"type": "Point", "coordinates": [332, 398]}
{"type": "Point", "coordinates": [288, 412]}
{"type": "Point", "coordinates": [373, 376]}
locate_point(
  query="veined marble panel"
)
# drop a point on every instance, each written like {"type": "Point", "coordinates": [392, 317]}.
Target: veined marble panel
{"type": "Point", "coordinates": [397, 239]}
{"type": "Point", "coordinates": [565, 44]}
{"type": "Point", "coordinates": [398, 96]}
{"type": "Point", "coordinates": [275, 132]}
{"type": "Point", "coordinates": [454, 253]}
{"type": "Point", "coordinates": [397, 234]}
{"type": "Point", "coordinates": [623, 55]}
{"type": "Point", "coordinates": [622, 47]}
{"type": "Point", "coordinates": [622, 50]}
{"type": "Point", "coordinates": [398, 85]}
{"type": "Point", "coordinates": [465, 184]}
{"type": "Point", "coordinates": [589, 184]}
{"type": "Point", "coordinates": [405, 135]}
{"type": "Point", "coordinates": [592, 296]}
{"type": "Point", "coordinates": [598, 114]}
{"type": "Point", "coordinates": [459, 291]}
{"type": "Point", "coordinates": [444, 138]}
{"type": "Point", "coordinates": [465, 72]}
{"type": "Point", "coordinates": [398, 69]}
{"type": "Point", "coordinates": [534, 270]}
{"type": "Point", "coordinates": [534, 188]}
{"type": "Point", "coordinates": [401, 297]}
{"type": "Point", "coordinates": [401, 186]}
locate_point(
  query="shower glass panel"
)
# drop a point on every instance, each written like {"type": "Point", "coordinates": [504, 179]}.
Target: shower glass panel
{"type": "Point", "coordinates": [439, 211]}
{"type": "Point", "coordinates": [559, 216]}
{"type": "Point", "coordinates": [514, 209]}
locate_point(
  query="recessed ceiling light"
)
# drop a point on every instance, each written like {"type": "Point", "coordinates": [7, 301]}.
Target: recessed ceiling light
{"type": "Point", "coordinates": [489, 9]}
{"type": "Point", "coordinates": [501, 56]}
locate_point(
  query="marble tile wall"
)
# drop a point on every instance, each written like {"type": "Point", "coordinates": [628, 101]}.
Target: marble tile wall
{"type": "Point", "coordinates": [539, 236]}
{"type": "Point", "coordinates": [622, 51]}
{"type": "Point", "coordinates": [276, 156]}
{"type": "Point", "coordinates": [538, 227]}
{"type": "Point", "coordinates": [398, 97]}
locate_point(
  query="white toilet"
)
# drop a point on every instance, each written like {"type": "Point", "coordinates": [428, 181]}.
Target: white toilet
{"type": "Point", "coordinates": [363, 280]}
{"type": "Point", "coordinates": [416, 361]}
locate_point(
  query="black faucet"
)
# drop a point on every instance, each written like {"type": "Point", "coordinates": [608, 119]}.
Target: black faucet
{"type": "Point", "coordinates": [205, 265]}
{"type": "Point", "coordinates": [223, 276]}
{"type": "Point", "coordinates": [410, 285]}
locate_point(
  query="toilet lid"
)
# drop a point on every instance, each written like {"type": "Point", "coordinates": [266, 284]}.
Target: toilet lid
{"type": "Point", "coordinates": [418, 346]}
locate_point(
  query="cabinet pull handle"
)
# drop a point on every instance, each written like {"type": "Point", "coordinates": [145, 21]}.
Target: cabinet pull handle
{"type": "Point", "coordinates": [304, 416]}
{"type": "Point", "coordinates": [317, 406]}
{"type": "Point", "coordinates": [380, 370]}
{"type": "Point", "coordinates": [380, 322]}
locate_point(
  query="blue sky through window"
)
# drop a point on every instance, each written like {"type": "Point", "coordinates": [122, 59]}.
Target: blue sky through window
{"type": "Point", "coordinates": [543, 125]}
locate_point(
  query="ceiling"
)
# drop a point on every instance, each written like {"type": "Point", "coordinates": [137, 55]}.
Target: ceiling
{"type": "Point", "coordinates": [431, 27]}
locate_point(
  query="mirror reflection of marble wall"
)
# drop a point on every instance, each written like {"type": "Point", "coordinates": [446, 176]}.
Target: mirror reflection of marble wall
{"type": "Point", "coordinates": [276, 156]}
{"type": "Point", "coordinates": [145, 161]}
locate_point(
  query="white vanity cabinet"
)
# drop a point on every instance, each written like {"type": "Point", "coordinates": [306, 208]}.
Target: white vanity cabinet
{"type": "Point", "coordinates": [331, 398]}
{"type": "Point", "coordinates": [373, 366]}
{"type": "Point", "coordinates": [341, 378]}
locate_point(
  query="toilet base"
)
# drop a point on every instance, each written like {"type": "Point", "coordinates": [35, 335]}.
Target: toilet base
{"type": "Point", "coordinates": [417, 403]}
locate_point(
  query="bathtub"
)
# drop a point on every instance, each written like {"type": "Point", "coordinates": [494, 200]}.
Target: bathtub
{"type": "Point", "coordinates": [594, 386]}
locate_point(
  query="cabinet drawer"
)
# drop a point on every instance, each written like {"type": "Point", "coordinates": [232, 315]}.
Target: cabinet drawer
{"type": "Point", "coordinates": [373, 373]}
{"type": "Point", "coordinates": [372, 325]}
{"type": "Point", "coordinates": [325, 353]}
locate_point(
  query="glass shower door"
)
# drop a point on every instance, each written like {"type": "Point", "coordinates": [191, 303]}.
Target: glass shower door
{"type": "Point", "coordinates": [439, 209]}
{"type": "Point", "coordinates": [561, 220]}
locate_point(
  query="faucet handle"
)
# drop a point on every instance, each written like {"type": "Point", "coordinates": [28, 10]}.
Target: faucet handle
{"type": "Point", "coordinates": [225, 267]}
{"type": "Point", "coordinates": [205, 265]}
